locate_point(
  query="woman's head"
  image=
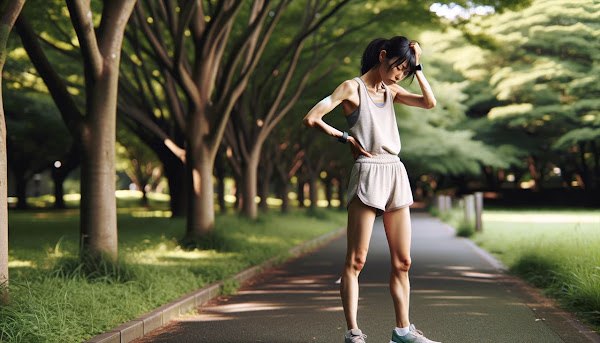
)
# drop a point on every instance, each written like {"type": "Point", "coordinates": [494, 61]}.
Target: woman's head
{"type": "Point", "coordinates": [394, 58]}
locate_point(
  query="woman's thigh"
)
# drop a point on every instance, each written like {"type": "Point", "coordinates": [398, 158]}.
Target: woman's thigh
{"type": "Point", "coordinates": [360, 227]}
{"type": "Point", "coordinates": [398, 232]}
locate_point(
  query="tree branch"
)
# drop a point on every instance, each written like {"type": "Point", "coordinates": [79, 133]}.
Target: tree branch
{"type": "Point", "coordinates": [63, 99]}
{"type": "Point", "coordinates": [81, 17]}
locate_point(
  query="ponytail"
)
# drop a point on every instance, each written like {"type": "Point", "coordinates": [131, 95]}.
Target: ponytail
{"type": "Point", "coordinates": [370, 57]}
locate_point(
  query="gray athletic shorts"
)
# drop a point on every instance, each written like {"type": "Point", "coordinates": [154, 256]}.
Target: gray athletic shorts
{"type": "Point", "coordinates": [380, 182]}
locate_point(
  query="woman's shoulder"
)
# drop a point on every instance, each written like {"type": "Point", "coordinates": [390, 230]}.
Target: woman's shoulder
{"type": "Point", "coordinates": [349, 86]}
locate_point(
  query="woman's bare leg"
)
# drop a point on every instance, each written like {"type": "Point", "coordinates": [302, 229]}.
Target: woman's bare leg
{"type": "Point", "coordinates": [360, 226]}
{"type": "Point", "coordinates": [398, 232]}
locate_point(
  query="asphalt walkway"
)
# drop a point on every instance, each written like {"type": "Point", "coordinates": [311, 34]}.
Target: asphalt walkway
{"type": "Point", "coordinates": [457, 295]}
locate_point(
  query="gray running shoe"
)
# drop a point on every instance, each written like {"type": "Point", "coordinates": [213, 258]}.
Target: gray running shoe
{"type": "Point", "coordinates": [413, 336]}
{"type": "Point", "coordinates": [355, 336]}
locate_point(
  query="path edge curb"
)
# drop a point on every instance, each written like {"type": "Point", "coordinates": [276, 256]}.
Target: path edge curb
{"type": "Point", "coordinates": [527, 290]}
{"type": "Point", "coordinates": [147, 322]}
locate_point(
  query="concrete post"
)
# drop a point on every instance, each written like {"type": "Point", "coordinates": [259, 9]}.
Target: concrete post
{"type": "Point", "coordinates": [441, 203]}
{"type": "Point", "coordinates": [478, 211]}
{"type": "Point", "coordinates": [448, 202]}
{"type": "Point", "coordinates": [469, 208]}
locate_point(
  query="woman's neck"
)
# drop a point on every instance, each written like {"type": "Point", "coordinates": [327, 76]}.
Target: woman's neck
{"type": "Point", "coordinates": [372, 80]}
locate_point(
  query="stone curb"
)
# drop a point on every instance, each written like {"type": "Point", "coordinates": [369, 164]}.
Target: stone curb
{"type": "Point", "coordinates": [152, 320]}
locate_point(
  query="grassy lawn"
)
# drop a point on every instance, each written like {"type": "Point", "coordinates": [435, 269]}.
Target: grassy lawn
{"type": "Point", "coordinates": [55, 300]}
{"type": "Point", "coordinates": [557, 250]}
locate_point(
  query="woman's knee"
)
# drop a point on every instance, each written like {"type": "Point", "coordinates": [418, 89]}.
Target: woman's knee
{"type": "Point", "coordinates": [401, 264]}
{"type": "Point", "coordinates": [356, 262]}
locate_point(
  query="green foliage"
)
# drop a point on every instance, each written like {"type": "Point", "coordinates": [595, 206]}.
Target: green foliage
{"type": "Point", "coordinates": [529, 77]}
{"type": "Point", "coordinates": [465, 229]}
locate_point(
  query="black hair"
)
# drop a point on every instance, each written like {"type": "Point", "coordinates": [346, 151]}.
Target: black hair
{"type": "Point", "coordinates": [398, 46]}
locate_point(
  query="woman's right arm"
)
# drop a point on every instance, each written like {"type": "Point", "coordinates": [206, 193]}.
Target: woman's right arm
{"type": "Point", "coordinates": [315, 115]}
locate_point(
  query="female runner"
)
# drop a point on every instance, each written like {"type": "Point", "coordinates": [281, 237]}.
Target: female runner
{"type": "Point", "coordinates": [378, 182]}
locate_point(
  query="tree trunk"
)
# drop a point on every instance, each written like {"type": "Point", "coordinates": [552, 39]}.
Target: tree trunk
{"type": "Point", "coordinates": [21, 190]}
{"type": "Point", "coordinates": [238, 193]}
{"type": "Point", "coordinates": [342, 190]}
{"type": "Point", "coordinates": [266, 173]}
{"type": "Point", "coordinates": [312, 192]}
{"type": "Point", "coordinates": [250, 179]}
{"type": "Point", "coordinates": [300, 192]}
{"type": "Point", "coordinates": [596, 165]}
{"type": "Point", "coordinates": [328, 192]}
{"type": "Point", "coordinates": [101, 54]}
{"type": "Point", "coordinates": [220, 173]}
{"type": "Point", "coordinates": [98, 220]}
{"type": "Point", "coordinates": [264, 192]}
{"type": "Point", "coordinates": [585, 173]}
{"type": "Point", "coordinates": [285, 190]}
{"type": "Point", "coordinates": [144, 197]}
{"type": "Point", "coordinates": [201, 213]}
{"type": "Point", "coordinates": [176, 174]}
{"type": "Point", "coordinates": [59, 179]}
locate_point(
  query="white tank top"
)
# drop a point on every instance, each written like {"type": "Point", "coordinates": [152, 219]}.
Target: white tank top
{"type": "Point", "coordinates": [374, 126]}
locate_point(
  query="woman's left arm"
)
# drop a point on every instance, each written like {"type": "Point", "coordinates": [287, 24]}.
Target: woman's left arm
{"type": "Point", "coordinates": [427, 99]}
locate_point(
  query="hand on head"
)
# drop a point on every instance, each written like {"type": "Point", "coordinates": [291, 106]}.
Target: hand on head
{"type": "Point", "coordinates": [415, 46]}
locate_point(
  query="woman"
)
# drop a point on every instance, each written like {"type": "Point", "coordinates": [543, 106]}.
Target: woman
{"type": "Point", "coordinates": [378, 182]}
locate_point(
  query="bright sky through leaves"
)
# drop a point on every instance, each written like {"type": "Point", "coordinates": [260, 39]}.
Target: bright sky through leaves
{"type": "Point", "coordinates": [452, 11]}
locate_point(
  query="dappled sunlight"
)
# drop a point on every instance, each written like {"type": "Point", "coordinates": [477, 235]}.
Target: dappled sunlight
{"type": "Point", "coordinates": [428, 291]}
{"type": "Point", "coordinates": [450, 277]}
{"type": "Point", "coordinates": [331, 309]}
{"type": "Point", "coordinates": [542, 217]}
{"type": "Point", "coordinates": [20, 263]}
{"type": "Point", "coordinates": [244, 307]}
{"type": "Point", "coordinates": [160, 255]}
{"type": "Point", "coordinates": [206, 317]}
{"type": "Point", "coordinates": [276, 291]}
{"type": "Point", "coordinates": [480, 275]}
{"type": "Point", "coordinates": [329, 298]}
{"type": "Point", "coordinates": [458, 267]}
{"type": "Point", "coordinates": [152, 214]}
{"type": "Point", "coordinates": [455, 297]}
{"type": "Point", "coordinates": [53, 214]}
{"type": "Point", "coordinates": [264, 240]}
{"type": "Point", "coordinates": [475, 313]}
{"type": "Point", "coordinates": [304, 281]}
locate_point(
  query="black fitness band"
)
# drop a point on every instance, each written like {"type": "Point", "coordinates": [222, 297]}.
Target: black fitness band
{"type": "Point", "coordinates": [344, 137]}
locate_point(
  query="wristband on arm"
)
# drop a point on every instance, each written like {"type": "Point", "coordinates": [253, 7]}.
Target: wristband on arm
{"type": "Point", "coordinates": [344, 137]}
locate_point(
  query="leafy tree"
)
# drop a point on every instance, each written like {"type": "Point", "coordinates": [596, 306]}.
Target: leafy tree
{"type": "Point", "coordinates": [95, 131]}
{"type": "Point", "coordinates": [544, 84]}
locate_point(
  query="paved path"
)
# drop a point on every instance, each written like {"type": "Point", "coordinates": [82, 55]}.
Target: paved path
{"type": "Point", "coordinates": [456, 296]}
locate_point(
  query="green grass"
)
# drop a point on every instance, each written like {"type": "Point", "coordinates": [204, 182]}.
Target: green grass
{"type": "Point", "coordinates": [53, 299]}
{"type": "Point", "coordinates": [557, 250]}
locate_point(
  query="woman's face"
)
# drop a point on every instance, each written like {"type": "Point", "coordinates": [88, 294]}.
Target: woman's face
{"type": "Point", "coordinates": [394, 74]}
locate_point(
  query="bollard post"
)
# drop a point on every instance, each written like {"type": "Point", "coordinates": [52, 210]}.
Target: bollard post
{"type": "Point", "coordinates": [440, 203]}
{"type": "Point", "coordinates": [478, 211]}
{"type": "Point", "coordinates": [448, 202]}
{"type": "Point", "coordinates": [469, 208]}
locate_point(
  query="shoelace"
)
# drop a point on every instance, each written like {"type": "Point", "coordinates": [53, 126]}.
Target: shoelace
{"type": "Point", "coordinates": [419, 332]}
{"type": "Point", "coordinates": [358, 337]}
